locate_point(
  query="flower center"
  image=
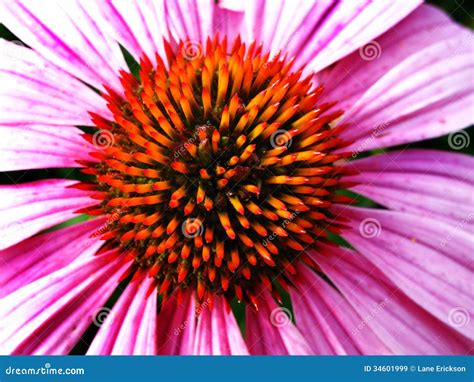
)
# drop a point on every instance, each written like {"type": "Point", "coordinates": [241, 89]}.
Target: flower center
{"type": "Point", "coordinates": [217, 172]}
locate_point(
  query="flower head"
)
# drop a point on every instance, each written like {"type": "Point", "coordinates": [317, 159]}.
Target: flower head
{"type": "Point", "coordinates": [221, 170]}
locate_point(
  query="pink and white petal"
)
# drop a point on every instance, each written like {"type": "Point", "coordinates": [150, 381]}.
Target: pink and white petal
{"type": "Point", "coordinates": [176, 325]}
{"type": "Point", "coordinates": [403, 326]}
{"type": "Point", "coordinates": [200, 19]}
{"type": "Point", "coordinates": [43, 254]}
{"type": "Point", "coordinates": [327, 321]}
{"type": "Point", "coordinates": [420, 268]}
{"type": "Point", "coordinates": [354, 74]}
{"type": "Point", "coordinates": [36, 92]}
{"type": "Point", "coordinates": [429, 188]}
{"type": "Point", "coordinates": [49, 315]}
{"type": "Point", "coordinates": [347, 26]}
{"type": "Point", "coordinates": [271, 332]}
{"type": "Point", "coordinates": [228, 21]}
{"type": "Point", "coordinates": [139, 25]}
{"type": "Point", "coordinates": [415, 82]}
{"type": "Point", "coordinates": [318, 33]}
{"type": "Point", "coordinates": [454, 242]}
{"type": "Point", "coordinates": [217, 332]}
{"type": "Point", "coordinates": [26, 147]}
{"type": "Point", "coordinates": [183, 17]}
{"type": "Point", "coordinates": [445, 164]}
{"type": "Point", "coordinates": [146, 341]}
{"type": "Point", "coordinates": [70, 36]}
{"type": "Point", "coordinates": [28, 208]}
{"type": "Point", "coordinates": [130, 327]}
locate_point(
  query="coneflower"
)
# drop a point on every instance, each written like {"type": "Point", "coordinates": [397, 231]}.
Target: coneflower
{"type": "Point", "coordinates": [218, 175]}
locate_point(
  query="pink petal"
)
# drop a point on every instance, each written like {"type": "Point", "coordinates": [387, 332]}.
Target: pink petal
{"type": "Point", "coordinates": [416, 83]}
{"type": "Point", "coordinates": [176, 325]}
{"type": "Point", "coordinates": [416, 161]}
{"type": "Point", "coordinates": [418, 266]}
{"type": "Point", "coordinates": [183, 18]}
{"type": "Point", "coordinates": [403, 326]}
{"type": "Point", "coordinates": [130, 328]}
{"type": "Point", "coordinates": [76, 39]}
{"type": "Point", "coordinates": [26, 209]}
{"type": "Point", "coordinates": [345, 27]}
{"type": "Point", "coordinates": [427, 187]}
{"type": "Point", "coordinates": [49, 315]}
{"type": "Point", "coordinates": [24, 147]}
{"type": "Point", "coordinates": [327, 321]}
{"type": "Point", "coordinates": [35, 91]}
{"type": "Point", "coordinates": [138, 25]}
{"type": "Point", "coordinates": [271, 332]}
{"type": "Point", "coordinates": [198, 20]}
{"type": "Point", "coordinates": [228, 22]}
{"type": "Point", "coordinates": [318, 33]}
{"type": "Point", "coordinates": [217, 331]}
{"type": "Point", "coordinates": [43, 254]}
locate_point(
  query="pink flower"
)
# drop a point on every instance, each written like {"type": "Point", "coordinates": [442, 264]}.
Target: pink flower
{"type": "Point", "coordinates": [215, 175]}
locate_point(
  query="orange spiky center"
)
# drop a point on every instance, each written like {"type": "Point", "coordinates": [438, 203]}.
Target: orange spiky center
{"type": "Point", "coordinates": [218, 170]}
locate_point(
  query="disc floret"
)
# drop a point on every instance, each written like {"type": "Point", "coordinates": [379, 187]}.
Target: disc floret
{"type": "Point", "coordinates": [219, 170]}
